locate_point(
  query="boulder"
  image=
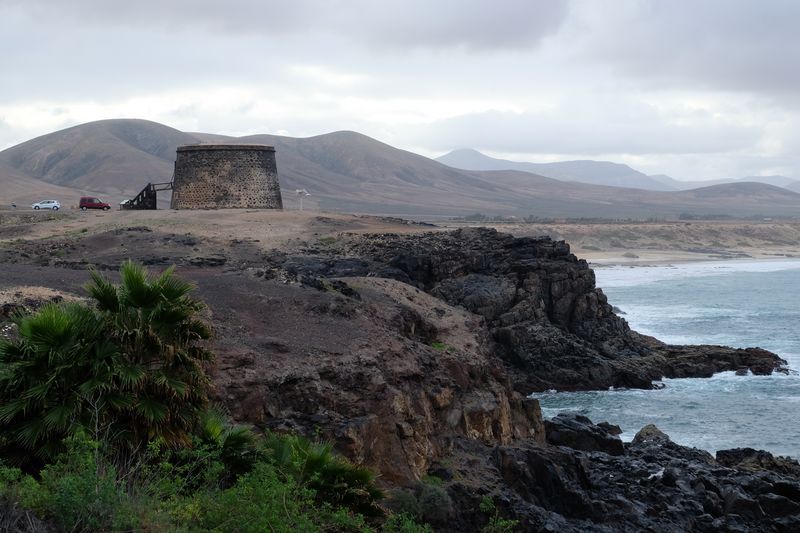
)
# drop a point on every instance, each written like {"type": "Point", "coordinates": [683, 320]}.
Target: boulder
{"type": "Point", "coordinates": [751, 460]}
{"type": "Point", "coordinates": [577, 432]}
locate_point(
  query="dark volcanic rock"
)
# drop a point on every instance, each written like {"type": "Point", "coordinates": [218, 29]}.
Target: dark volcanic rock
{"type": "Point", "coordinates": [578, 432]}
{"type": "Point", "coordinates": [548, 319]}
{"type": "Point", "coordinates": [748, 459]}
{"type": "Point", "coordinates": [656, 485]}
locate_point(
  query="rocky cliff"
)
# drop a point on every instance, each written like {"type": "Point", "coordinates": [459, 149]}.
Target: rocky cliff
{"type": "Point", "coordinates": [415, 354]}
{"type": "Point", "coordinates": [434, 341]}
{"type": "Point", "coordinates": [536, 303]}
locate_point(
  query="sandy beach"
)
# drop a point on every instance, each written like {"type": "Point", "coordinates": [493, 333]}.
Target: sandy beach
{"type": "Point", "coordinates": [659, 243]}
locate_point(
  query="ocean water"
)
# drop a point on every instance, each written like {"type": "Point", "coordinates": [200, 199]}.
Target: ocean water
{"type": "Point", "coordinates": [733, 303]}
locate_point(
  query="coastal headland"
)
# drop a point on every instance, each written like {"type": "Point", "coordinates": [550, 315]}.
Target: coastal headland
{"type": "Point", "coordinates": [414, 348]}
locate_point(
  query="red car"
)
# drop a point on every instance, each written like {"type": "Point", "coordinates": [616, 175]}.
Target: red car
{"type": "Point", "coordinates": [88, 202]}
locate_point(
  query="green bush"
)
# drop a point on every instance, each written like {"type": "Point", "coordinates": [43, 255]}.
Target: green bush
{"type": "Point", "coordinates": [405, 502]}
{"type": "Point", "coordinates": [428, 502]}
{"type": "Point", "coordinates": [237, 445]}
{"type": "Point", "coordinates": [442, 347]}
{"type": "Point", "coordinates": [497, 524]}
{"type": "Point", "coordinates": [259, 501]}
{"type": "Point", "coordinates": [435, 503]}
{"type": "Point", "coordinates": [76, 492]}
{"type": "Point", "coordinates": [165, 490]}
{"type": "Point", "coordinates": [403, 523]}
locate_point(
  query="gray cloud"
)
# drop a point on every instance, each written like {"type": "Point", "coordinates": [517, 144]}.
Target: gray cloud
{"type": "Point", "coordinates": [687, 87]}
{"type": "Point", "coordinates": [635, 130]}
{"type": "Point", "coordinates": [699, 44]}
{"type": "Point", "coordinates": [471, 24]}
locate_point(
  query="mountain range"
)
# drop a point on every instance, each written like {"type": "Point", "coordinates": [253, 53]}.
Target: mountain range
{"type": "Point", "coordinates": [348, 171]}
{"type": "Point", "coordinates": [600, 173]}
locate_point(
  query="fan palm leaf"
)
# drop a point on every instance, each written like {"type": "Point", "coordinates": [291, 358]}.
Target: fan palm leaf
{"type": "Point", "coordinates": [132, 364]}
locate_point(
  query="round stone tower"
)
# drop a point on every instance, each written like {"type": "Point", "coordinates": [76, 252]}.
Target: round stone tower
{"type": "Point", "coordinates": [215, 176]}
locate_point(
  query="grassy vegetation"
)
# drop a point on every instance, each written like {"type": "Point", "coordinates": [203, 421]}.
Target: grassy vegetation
{"type": "Point", "coordinates": [497, 524]}
{"type": "Point", "coordinates": [105, 425]}
{"type": "Point", "coordinates": [442, 347]}
{"type": "Point", "coordinates": [89, 489]}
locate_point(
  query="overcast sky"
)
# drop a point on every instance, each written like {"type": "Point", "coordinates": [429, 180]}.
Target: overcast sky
{"type": "Point", "coordinates": [696, 89]}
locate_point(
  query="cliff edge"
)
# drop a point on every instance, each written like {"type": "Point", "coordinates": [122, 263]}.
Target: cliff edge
{"type": "Point", "coordinates": [434, 342]}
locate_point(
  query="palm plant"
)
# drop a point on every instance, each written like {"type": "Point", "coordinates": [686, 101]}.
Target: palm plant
{"type": "Point", "coordinates": [58, 377]}
{"type": "Point", "coordinates": [332, 477]}
{"type": "Point", "coordinates": [133, 369]}
{"type": "Point", "coordinates": [235, 444]}
{"type": "Point", "coordinates": [154, 322]}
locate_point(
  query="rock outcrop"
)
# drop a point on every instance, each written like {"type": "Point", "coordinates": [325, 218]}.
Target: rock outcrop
{"type": "Point", "coordinates": [653, 485]}
{"type": "Point", "coordinates": [547, 320]}
{"type": "Point", "coordinates": [577, 432]}
{"type": "Point", "coordinates": [432, 343]}
{"type": "Point", "coordinates": [395, 377]}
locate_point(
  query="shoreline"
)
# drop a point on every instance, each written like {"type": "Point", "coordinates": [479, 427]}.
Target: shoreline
{"type": "Point", "coordinates": [659, 243]}
{"type": "Point", "coordinates": [655, 258]}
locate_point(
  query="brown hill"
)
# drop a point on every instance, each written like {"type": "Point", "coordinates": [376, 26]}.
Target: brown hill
{"type": "Point", "coordinates": [24, 190]}
{"type": "Point", "coordinates": [347, 171]}
{"type": "Point", "coordinates": [350, 171]}
{"type": "Point", "coordinates": [116, 157]}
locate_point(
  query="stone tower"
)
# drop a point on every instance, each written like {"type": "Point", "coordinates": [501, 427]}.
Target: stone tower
{"type": "Point", "coordinates": [215, 176]}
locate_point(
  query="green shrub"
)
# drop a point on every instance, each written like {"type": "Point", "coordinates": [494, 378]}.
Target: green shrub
{"type": "Point", "coordinates": [259, 501]}
{"type": "Point", "coordinates": [76, 493]}
{"type": "Point", "coordinates": [403, 523]}
{"type": "Point", "coordinates": [428, 502]}
{"type": "Point", "coordinates": [405, 502]}
{"type": "Point", "coordinates": [497, 524]}
{"type": "Point", "coordinates": [435, 503]}
{"type": "Point", "coordinates": [442, 347]}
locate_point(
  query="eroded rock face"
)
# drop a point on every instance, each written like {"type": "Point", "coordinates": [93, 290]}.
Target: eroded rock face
{"type": "Point", "coordinates": [395, 375]}
{"type": "Point", "coordinates": [414, 354]}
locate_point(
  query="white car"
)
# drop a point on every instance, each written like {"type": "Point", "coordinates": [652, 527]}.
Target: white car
{"type": "Point", "coordinates": [47, 204]}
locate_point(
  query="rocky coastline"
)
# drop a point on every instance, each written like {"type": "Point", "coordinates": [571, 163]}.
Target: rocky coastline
{"type": "Point", "coordinates": [472, 322]}
{"type": "Point", "coordinates": [537, 302]}
{"type": "Point", "coordinates": [415, 354]}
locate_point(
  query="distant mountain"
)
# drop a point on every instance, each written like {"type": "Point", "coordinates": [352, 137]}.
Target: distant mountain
{"type": "Point", "coordinates": [601, 173]}
{"type": "Point", "coordinates": [777, 181]}
{"type": "Point", "coordinates": [348, 171]}
{"type": "Point", "coordinates": [584, 171]}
